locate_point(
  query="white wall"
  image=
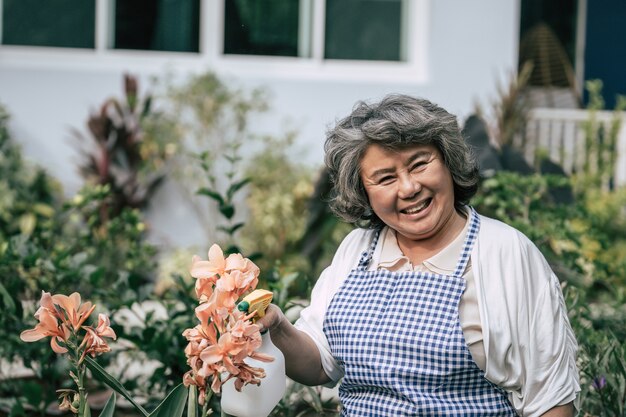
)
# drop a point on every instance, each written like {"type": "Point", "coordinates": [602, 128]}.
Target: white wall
{"type": "Point", "coordinates": [470, 47]}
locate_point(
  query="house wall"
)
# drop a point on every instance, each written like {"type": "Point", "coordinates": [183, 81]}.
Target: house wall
{"type": "Point", "coordinates": [469, 48]}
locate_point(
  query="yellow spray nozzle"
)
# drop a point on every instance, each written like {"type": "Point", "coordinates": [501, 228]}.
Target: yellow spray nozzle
{"type": "Point", "coordinates": [257, 300]}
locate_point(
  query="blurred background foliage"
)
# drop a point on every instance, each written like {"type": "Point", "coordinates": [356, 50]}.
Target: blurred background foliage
{"type": "Point", "coordinates": [251, 196]}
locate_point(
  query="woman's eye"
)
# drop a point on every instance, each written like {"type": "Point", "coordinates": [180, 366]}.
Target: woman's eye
{"type": "Point", "coordinates": [418, 165]}
{"type": "Point", "coordinates": [385, 180]}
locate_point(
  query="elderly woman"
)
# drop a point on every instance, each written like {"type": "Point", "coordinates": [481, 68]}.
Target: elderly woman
{"type": "Point", "coordinates": [428, 308]}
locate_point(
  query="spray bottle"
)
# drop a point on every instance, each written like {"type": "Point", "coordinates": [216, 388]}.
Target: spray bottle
{"type": "Point", "coordinates": [253, 400]}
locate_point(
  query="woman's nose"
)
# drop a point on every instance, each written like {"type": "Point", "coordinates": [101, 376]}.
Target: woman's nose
{"type": "Point", "coordinates": [408, 187]}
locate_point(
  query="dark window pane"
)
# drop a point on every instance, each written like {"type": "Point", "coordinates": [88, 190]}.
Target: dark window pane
{"type": "Point", "coordinates": [157, 25]}
{"type": "Point", "coordinates": [64, 23]}
{"type": "Point", "coordinates": [548, 39]}
{"type": "Point", "coordinates": [363, 29]}
{"type": "Point", "coordinates": [268, 27]}
{"type": "Point", "coordinates": [559, 15]}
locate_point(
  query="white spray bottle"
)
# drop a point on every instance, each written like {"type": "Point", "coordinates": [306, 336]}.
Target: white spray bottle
{"type": "Point", "coordinates": [253, 400]}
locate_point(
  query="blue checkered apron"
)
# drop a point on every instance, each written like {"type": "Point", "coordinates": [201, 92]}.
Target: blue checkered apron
{"type": "Point", "coordinates": [398, 338]}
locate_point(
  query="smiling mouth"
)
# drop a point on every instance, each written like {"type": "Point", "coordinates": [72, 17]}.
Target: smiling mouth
{"type": "Point", "coordinates": [417, 208]}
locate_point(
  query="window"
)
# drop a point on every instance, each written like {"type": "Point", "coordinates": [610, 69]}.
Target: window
{"type": "Point", "coordinates": [157, 25]}
{"type": "Point", "coordinates": [268, 27]}
{"type": "Point", "coordinates": [338, 39]}
{"type": "Point", "coordinates": [364, 29]}
{"type": "Point", "coordinates": [60, 23]}
{"type": "Point", "coordinates": [370, 30]}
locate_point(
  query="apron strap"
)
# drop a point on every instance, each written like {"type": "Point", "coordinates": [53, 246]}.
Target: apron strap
{"type": "Point", "coordinates": [468, 244]}
{"type": "Point", "coordinates": [366, 256]}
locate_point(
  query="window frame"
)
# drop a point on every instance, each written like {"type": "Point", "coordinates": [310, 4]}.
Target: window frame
{"type": "Point", "coordinates": [413, 70]}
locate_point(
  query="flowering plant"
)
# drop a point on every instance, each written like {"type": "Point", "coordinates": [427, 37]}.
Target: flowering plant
{"type": "Point", "coordinates": [225, 336]}
{"type": "Point", "coordinates": [62, 318]}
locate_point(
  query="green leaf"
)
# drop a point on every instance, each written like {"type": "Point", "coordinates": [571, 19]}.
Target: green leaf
{"type": "Point", "coordinates": [232, 229]}
{"type": "Point", "coordinates": [109, 407]}
{"type": "Point", "coordinates": [27, 223]}
{"type": "Point", "coordinates": [147, 104]}
{"type": "Point", "coordinates": [316, 401]}
{"type": "Point", "coordinates": [255, 256]}
{"type": "Point", "coordinates": [232, 249]}
{"type": "Point", "coordinates": [236, 187]}
{"type": "Point", "coordinates": [212, 194]}
{"type": "Point", "coordinates": [192, 402]}
{"type": "Point", "coordinates": [173, 405]}
{"type": "Point", "coordinates": [233, 159]}
{"type": "Point", "coordinates": [33, 393]}
{"type": "Point", "coordinates": [7, 300]}
{"type": "Point", "coordinates": [103, 376]}
{"type": "Point", "coordinates": [228, 210]}
{"type": "Point", "coordinates": [17, 410]}
{"type": "Point", "coordinates": [44, 210]}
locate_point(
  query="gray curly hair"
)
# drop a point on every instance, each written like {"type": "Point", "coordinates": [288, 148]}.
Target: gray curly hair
{"type": "Point", "coordinates": [395, 123]}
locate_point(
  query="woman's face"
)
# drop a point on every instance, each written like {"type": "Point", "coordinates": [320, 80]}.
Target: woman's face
{"type": "Point", "coordinates": [410, 190]}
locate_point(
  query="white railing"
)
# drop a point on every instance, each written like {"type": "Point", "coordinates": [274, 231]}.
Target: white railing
{"type": "Point", "coordinates": [561, 135]}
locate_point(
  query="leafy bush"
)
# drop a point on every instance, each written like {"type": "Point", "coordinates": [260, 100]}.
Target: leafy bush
{"type": "Point", "coordinates": [586, 247]}
{"type": "Point", "coordinates": [277, 200]}
{"type": "Point", "coordinates": [50, 244]}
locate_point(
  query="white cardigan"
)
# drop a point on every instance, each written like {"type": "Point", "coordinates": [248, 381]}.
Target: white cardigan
{"type": "Point", "coordinates": [529, 344]}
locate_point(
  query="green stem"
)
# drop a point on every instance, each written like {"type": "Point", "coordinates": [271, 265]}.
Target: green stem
{"type": "Point", "coordinates": [82, 394]}
{"type": "Point", "coordinates": [207, 400]}
{"type": "Point", "coordinates": [75, 355]}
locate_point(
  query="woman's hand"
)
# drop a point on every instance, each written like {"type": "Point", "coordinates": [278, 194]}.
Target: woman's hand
{"type": "Point", "coordinates": [272, 320]}
{"type": "Point", "coordinates": [302, 358]}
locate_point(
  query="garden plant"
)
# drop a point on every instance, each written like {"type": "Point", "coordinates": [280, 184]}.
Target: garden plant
{"type": "Point", "coordinates": [93, 244]}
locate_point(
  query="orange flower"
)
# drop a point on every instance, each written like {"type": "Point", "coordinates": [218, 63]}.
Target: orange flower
{"type": "Point", "coordinates": [225, 293]}
{"type": "Point", "coordinates": [93, 342]}
{"type": "Point", "coordinates": [204, 288]}
{"type": "Point", "coordinates": [207, 272]}
{"type": "Point", "coordinates": [67, 398]}
{"type": "Point", "coordinates": [49, 325]}
{"type": "Point", "coordinates": [249, 375]}
{"type": "Point", "coordinates": [192, 378]}
{"type": "Point", "coordinates": [225, 337]}
{"type": "Point", "coordinates": [222, 352]}
{"type": "Point", "coordinates": [104, 327]}
{"type": "Point", "coordinates": [211, 273]}
{"type": "Point", "coordinates": [75, 312]}
{"type": "Point", "coordinates": [199, 338]}
{"type": "Point", "coordinates": [62, 317]}
{"type": "Point", "coordinates": [242, 326]}
{"type": "Point", "coordinates": [216, 265]}
{"type": "Point", "coordinates": [206, 312]}
{"type": "Point", "coordinates": [235, 262]}
{"type": "Point", "coordinates": [201, 332]}
{"type": "Point", "coordinates": [245, 279]}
